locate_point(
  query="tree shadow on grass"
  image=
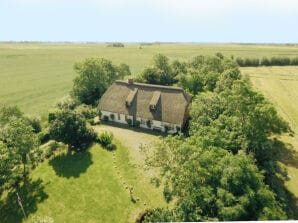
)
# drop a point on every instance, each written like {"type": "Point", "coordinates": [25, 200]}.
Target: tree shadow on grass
{"type": "Point", "coordinates": [31, 193]}
{"type": "Point", "coordinates": [71, 164]}
{"type": "Point", "coordinates": [286, 154]}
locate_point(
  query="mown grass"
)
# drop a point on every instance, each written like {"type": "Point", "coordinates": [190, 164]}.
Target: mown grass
{"type": "Point", "coordinates": [85, 187]}
{"type": "Point", "coordinates": [35, 76]}
{"type": "Point", "coordinates": [279, 85]}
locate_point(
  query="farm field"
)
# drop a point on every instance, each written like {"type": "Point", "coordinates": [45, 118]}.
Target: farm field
{"type": "Point", "coordinates": [85, 187]}
{"type": "Point", "coordinates": [34, 75]}
{"type": "Point", "coordinates": [279, 85]}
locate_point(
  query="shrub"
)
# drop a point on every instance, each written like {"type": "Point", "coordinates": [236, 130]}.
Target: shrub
{"type": "Point", "coordinates": [86, 111]}
{"type": "Point", "coordinates": [148, 123]}
{"type": "Point", "coordinates": [294, 61]}
{"type": "Point", "coordinates": [167, 194]}
{"type": "Point", "coordinates": [105, 138]}
{"type": "Point", "coordinates": [280, 61]}
{"type": "Point", "coordinates": [53, 146]}
{"type": "Point", "coordinates": [240, 61]}
{"type": "Point", "coordinates": [265, 61]}
{"type": "Point", "coordinates": [137, 123]}
{"type": "Point", "coordinates": [129, 121]}
{"type": "Point", "coordinates": [112, 116]}
{"type": "Point", "coordinates": [51, 117]}
{"type": "Point", "coordinates": [70, 128]}
{"type": "Point", "coordinates": [106, 118]}
{"type": "Point", "coordinates": [67, 103]}
{"type": "Point", "coordinates": [44, 136]}
{"type": "Point", "coordinates": [91, 121]}
{"type": "Point", "coordinates": [111, 147]}
{"type": "Point", "coordinates": [35, 123]}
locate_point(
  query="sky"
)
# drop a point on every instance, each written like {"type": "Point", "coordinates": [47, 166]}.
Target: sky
{"type": "Point", "coordinates": [248, 21]}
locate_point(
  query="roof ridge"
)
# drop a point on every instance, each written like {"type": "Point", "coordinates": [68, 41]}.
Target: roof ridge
{"type": "Point", "coordinates": [150, 85]}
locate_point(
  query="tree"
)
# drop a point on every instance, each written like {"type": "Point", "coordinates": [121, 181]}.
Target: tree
{"type": "Point", "coordinates": [208, 74]}
{"type": "Point", "coordinates": [179, 68]}
{"type": "Point", "coordinates": [70, 128]}
{"type": "Point", "coordinates": [160, 73]}
{"type": "Point", "coordinates": [210, 183]}
{"type": "Point", "coordinates": [192, 82]}
{"type": "Point", "coordinates": [95, 75]}
{"type": "Point", "coordinates": [227, 78]}
{"type": "Point", "coordinates": [6, 166]}
{"type": "Point", "coordinates": [150, 75]}
{"type": "Point", "coordinates": [19, 136]}
{"type": "Point", "coordinates": [8, 112]}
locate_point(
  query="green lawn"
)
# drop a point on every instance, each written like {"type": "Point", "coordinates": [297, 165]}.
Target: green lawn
{"type": "Point", "coordinates": [85, 187]}
{"type": "Point", "coordinates": [35, 76]}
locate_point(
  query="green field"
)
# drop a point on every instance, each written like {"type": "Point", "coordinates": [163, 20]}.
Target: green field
{"type": "Point", "coordinates": [85, 187]}
{"type": "Point", "coordinates": [35, 76]}
{"type": "Point", "coordinates": [279, 85]}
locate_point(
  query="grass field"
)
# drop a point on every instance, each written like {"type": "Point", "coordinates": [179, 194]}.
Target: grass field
{"type": "Point", "coordinates": [85, 187]}
{"type": "Point", "coordinates": [279, 85]}
{"type": "Point", "coordinates": [35, 76]}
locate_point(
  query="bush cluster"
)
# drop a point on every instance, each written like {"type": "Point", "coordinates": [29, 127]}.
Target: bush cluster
{"type": "Point", "coordinates": [105, 138]}
{"type": "Point", "coordinates": [273, 61]}
{"type": "Point", "coordinates": [116, 45]}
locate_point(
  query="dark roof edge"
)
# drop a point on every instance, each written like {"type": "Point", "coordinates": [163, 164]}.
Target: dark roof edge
{"type": "Point", "coordinates": [150, 85]}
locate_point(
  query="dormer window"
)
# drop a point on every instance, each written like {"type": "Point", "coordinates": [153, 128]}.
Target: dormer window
{"type": "Point", "coordinates": [130, 97]}
{"type": "Point", "coordinates": [154, 100]}
{"type": "Point", "coordinates": [152, 107]}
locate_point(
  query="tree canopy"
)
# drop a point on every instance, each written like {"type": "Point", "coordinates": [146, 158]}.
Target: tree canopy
{"type": "Point", "coordinates": [220, 171]}
{"type": "Point", "coordinates": [70, 128]}
{"type": "Point", "coordinates": [161, 72]}
{"type": "Point", "coordinates": [95, 75]}
{"type": "Point", "coordinates": [211, 183]}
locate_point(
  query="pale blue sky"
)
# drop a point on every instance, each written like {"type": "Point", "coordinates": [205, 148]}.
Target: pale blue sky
{"type": "Point", "coordinates": [149, 20]}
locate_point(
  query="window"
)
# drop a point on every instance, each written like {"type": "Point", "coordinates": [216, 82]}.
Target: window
{"type": "Point", "coordinates": [119, 116]}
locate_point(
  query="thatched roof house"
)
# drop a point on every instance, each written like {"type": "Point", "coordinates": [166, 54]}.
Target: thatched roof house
{"type": "Point", "coordinates": [149, 106]}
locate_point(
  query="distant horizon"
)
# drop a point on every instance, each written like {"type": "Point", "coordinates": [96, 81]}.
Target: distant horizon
{"type": "Point", "coordinates": [153, 42]}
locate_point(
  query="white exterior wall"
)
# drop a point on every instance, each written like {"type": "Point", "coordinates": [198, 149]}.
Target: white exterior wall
{"type": "Point", "coordinates": [116, 117]}
{"type": "Point", "coordinates": [154, 124]}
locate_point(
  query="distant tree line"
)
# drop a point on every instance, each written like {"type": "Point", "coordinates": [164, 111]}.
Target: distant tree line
{"type": "Point", "coordinates": [115, 45]}
{"type": "Point", "coordinates": [265, 61]}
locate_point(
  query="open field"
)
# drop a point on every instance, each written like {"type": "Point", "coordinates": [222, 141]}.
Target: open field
{"type": "Point", "coordinates": [35, 76]}
{"type": "Point", "coordinates": [279, 85]}
{"type": "Point", "coordinates": [85, 187]}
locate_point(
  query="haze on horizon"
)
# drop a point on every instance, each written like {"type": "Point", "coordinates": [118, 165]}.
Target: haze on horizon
{"type": "Point", "coordinates": [249, 21]}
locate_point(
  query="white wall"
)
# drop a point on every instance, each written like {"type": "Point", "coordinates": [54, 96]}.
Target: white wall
{"type": "Point", "coordinates": [154, 124]}
{"type": "Point", "coordinates": [116, 117]}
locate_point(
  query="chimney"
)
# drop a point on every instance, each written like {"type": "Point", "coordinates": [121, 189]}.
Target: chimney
{"type": "Point", "coordinates": [130, 81]}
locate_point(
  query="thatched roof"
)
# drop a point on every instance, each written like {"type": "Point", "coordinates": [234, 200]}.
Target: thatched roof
{"type": "Point", "coordinates": [136, 99]}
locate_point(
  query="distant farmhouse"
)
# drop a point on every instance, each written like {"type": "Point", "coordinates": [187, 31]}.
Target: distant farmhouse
{"type": "Point", "coordinates": [155, 107]}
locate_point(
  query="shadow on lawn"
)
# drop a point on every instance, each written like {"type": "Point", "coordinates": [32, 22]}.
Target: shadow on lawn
{"type": "Point", "coordinates": [71, 164]}
{"type": "Point", "coordinates": [31, 193]}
